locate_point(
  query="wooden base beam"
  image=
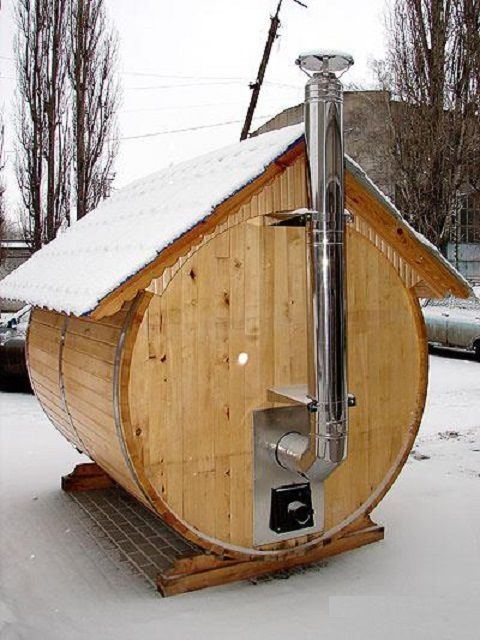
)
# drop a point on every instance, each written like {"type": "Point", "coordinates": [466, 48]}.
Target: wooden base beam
{"type": "Point", "coordinates": [85, 477]}
{"type": "Point", "coordinates": [198, 572]}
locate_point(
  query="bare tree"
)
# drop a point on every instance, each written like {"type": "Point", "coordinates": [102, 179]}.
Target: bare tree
{"type": "Point", "coordinates": [433, 70]}
{"type": "Point", "coordinates": [43, 148]}
{"type": "Point", "coordinates": [30, 47]}
{"type": "Point", "coordinates": [58, 151]}
{"type": "Point", "coordinates": [96, 96]}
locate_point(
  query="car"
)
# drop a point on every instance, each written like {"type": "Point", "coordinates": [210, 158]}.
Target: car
{"type": "Point", "coordinates": [13, 366]}
{"type": "Point", "coordinates": [453, 323]}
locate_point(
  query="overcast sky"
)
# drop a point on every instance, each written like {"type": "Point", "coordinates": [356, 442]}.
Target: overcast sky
{"type": "Point", "coordinates": [203, 54]}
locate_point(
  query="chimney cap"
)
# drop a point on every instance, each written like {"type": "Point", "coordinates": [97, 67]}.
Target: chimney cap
{"type": "Point", "coordinates": [324, 61]}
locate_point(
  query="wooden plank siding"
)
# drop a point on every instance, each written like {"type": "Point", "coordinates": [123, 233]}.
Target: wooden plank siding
{"type": "Point", "coordinates": [71, 363]}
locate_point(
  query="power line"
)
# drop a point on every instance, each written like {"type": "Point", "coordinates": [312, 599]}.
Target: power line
{"type": "Point", "coordinates": [171, 107]}
{"type": "Point", "coordinates": [217, 80]}
{"type": "Point", "coordinates": [280, 85]}
{"type": "Point", "coordinates": [187, 84]}
{"type": "Point", "coordinates": [181, 106]}
{"type": "Point", "coordinates": [190, 84]}
{"type": "Point", "coordinates": [175, 76]}
{"type": "Point", "coordinates": [202, 126]}
{"type": "Point", "coordinates": [283, 84]}
{"type": "Point", "coordinates": [145, 74]}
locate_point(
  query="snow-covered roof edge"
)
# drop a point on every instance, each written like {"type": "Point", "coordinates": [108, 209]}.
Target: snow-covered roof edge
{"type": "Point", "coordinates": [360, 174]}
{"type": "Point", "coordinates": [356, 170]}
{"type": "Point", "coordinates": [275, 145]}
{"type": "Point", "coordinates": [252, 166]}
{"type": "Point", "coordinates": [201, 220]}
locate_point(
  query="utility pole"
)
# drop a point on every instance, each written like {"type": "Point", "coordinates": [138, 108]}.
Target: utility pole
{"type": "Point", "coordinates": [256, 86]}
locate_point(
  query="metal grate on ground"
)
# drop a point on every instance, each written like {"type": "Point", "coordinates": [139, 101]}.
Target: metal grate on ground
{"type": "Point", "coordinates": [139, 542]}
{"type": "Point", "coordinates": [130, 533]}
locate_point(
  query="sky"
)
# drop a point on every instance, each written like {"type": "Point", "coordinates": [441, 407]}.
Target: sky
{"type": "Point", "coordinates": [187, 64]}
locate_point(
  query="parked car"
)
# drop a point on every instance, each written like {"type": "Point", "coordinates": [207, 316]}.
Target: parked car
{"type": "Point", "coordinates": [13, 366]}
{"type": "Point", "coordinates": [453, 323]}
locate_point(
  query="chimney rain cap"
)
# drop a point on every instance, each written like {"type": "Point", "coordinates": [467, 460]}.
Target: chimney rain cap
{"type": "Point", "coordinates": [324, 61]}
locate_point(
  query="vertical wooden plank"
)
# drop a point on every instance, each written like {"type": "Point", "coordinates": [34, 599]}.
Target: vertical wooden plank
{"type": "Point", "coordinates": [267, 294]}
{"type": "Point", "coordinates": [297, 339]}
{"type": "Point", "coordinates": [174, 424]}
{"type": "Point", "coordinates": [281, 308]}
{"type": "Point", "coordinates": [221, 415]}
{"type": "Point", "coordinates": [189, 383]}
{"type": "Point", "coordinates": [254, 385]}
{"type": "Point", "coordinates": [158, 374]}
{"type": "Point", "coordinates": [237, 384]}
{"type": "Point", "coordinates": [203, 428]}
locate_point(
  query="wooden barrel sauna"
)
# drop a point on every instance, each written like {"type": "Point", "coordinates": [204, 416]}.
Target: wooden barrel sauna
{"type": "Point", "coordinates": [161, 393]}
{"type": "Point", "coordinates": [173, 341]}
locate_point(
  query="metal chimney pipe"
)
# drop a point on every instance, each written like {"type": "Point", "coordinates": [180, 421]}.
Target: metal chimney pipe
{"type": "Point", "coordinates": [326, 446]}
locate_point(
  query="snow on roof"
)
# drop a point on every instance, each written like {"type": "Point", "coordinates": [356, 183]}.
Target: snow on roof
{"type": "Point", "coordinates": [128, 231]}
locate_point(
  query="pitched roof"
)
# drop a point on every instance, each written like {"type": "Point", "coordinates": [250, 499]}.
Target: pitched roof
{"type": "Point", "coordinates": [127, 232]}
{"type": "Point", "coordinates": [100, 252]}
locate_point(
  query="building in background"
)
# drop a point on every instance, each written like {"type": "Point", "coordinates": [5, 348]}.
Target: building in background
{"type": "Point", "coordinates": [367, 135]}
{"type": "Point", "coordinates": [14, 252]}
{"type": "Point", "coordinates": [464, 247]}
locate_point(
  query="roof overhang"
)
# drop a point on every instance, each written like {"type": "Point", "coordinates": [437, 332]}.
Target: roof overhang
{"type": "Point", "coordinates": [363, 198]}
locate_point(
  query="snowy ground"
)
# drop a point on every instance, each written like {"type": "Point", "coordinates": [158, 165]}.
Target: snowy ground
{"type": "Point", "coordinates": [422, 582]}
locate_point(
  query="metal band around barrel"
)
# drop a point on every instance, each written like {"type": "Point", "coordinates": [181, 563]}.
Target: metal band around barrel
{"type": "Point", "coordinates": [116, 395]}
{"type": "Point", "coordinates": [62, 386]}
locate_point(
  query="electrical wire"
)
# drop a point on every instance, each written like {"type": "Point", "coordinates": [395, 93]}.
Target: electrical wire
{"type": "Point", "coordinates": [202, 126]}
{"type": "Point", "coordinates": [181, 106]}
{"type": "Point", "coordinates": [144, 74]}
{"type": "Point", "coordinates": [206, 80]}
{"type": "Point", "coordinates": [171, 107]}
{"type": "Point", "coordinates": [186, 84]}
{"type": "Point", "coordinates": [222, 83]}
{"type": "Point", "coordinates": [241, 79]}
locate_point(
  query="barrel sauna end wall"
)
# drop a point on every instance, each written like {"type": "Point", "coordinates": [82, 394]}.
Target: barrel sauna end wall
{"type": "Point", "coordinates": [162, 394]}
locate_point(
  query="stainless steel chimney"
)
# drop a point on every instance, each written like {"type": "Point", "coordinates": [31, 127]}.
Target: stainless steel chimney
{"type": "Point", "coordinates": [317, 454]}
{"type": "Point", "coordinates": [296, 446]}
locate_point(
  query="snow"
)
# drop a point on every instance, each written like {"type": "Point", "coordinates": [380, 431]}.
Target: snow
{"type": "Point", "coordinates": [129, 230]}
{"type": "Point", "coordinates": [421, 582]}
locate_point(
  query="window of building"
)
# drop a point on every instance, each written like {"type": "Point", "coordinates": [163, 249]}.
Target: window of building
{"type": "Point", "coordinates": [467, 229]}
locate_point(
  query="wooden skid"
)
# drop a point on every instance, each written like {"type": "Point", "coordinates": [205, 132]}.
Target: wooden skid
{"type": "Point", "coordinates": [85, 477]}
{"type": "Point", "coordinates": [202, 571]}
